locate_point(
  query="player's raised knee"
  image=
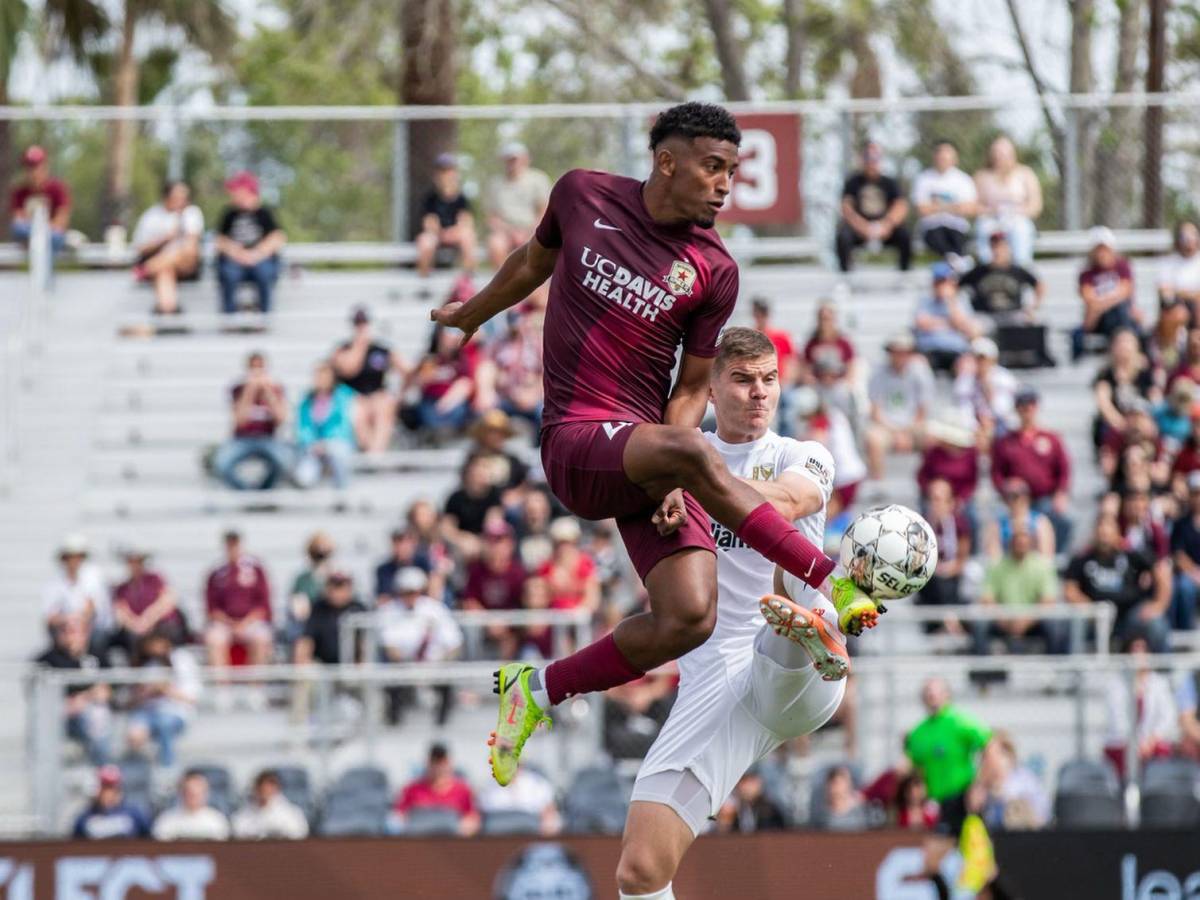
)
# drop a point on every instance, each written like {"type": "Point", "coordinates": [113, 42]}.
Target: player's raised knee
{"type": "Point", "coordinates": [690, 624]}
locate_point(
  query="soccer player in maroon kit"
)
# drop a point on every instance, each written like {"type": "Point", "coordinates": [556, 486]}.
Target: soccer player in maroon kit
{"type": "Point", "coordinates": [638, 271]}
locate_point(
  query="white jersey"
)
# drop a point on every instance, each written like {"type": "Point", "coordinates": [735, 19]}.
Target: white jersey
{"type": "Point", "coordinates": [743, 576]}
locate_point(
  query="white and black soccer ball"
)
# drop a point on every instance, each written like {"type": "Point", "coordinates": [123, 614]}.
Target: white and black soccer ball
{"type": "Point", "coordinates": [889, 552]}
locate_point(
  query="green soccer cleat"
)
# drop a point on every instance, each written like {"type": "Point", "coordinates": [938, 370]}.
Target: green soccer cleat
{"type": "Point", "coordinates": [519, 718]}
{"type": "Point", "coordinates": [855, 609]}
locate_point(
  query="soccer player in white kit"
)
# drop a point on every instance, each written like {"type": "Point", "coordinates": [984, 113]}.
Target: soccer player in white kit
{"type": "Point", "coordinates": [754, 684]}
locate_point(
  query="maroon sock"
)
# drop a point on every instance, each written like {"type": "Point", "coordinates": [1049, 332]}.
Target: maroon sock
{"type": "Point", "coordinates": [597, 667]}
{"type": "Point", "coordinates": [777, 539]}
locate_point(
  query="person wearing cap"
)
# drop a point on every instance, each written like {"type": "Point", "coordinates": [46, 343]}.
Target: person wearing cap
{"type": "Point", "coordinates": [1003, 288]}
{"type": "Point", "coordinates": [945, 198]}
{"type": "Point", "coordinates": [321, 640]}
{"type": "Point", "coordinates": [873, 211]}
{"type": "Point", "coordinates": [78, 590]}
{"type": "Point", "coordinates": [899, 393]}
{"type": "Point", "coordinates": [237, 599]}
{"type": "Point", "coordinates": [167, 242]}
{"type": "Point", "coordinates": [260, 408]}
{"type": "Point", "coordinates": [109, 815]}
{"type": "Point", "coordinates": [943, 327]}
{"type": "Point", "coordinates": [363, 364]}
{"type": "Point", "coordinates": [496, 580]}
{"type": "Point", "coordinates": [985, 389]}
{"type": "Point", "coordinates": [489, 434]}
{"type": "Point", "coordinates": [1127, 380]}
{"type": "Point", "coordinates": [144, 603]}
{"type": "Point", "coordinates": [516, 202]}
{"type": "Point", "coordinates": [1010, 200]}
{"type": "Point", "coordinates": [446, 218]}
{"type": "Point", "coordinates": [248, 243]}
{"type": "Point", "coordinates": [1017, 510]}
{"type": "Point", "coordinates": [1038, 457]}
{"type": "Point", "coordinates": [440, 787]}
{"type": "Point", "coordinates": [325, 430]}
{"type": "Point", "coordinates": [414, 627]}
{"type": "Point", "coordinates": [88, 715]}
{"type": "Point", "coordinates": [1179, 273]}
{"type": "Point", "coordinates": [570, 573]}
{"type": "Point", "coordinates": [406, 552]}
{"type": "Point", "coordinates": [1106, 288]}
{"type": "Point", "coordinates": [39, 187]}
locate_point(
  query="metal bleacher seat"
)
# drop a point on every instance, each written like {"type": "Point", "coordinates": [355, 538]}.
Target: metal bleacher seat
{"type": "Point", "coordinates": [356, 803]}
{"type": "Point", "coordinates": [1088, 795]}
{"type": "Point", "coordinates": [296, 785]}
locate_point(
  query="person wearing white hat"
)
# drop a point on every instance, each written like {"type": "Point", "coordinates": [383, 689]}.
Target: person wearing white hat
{"type": "Point", "coordinates": [1106, 288]}
{"type": "Point", "coordinates": [515, 202]}
{"type": "Point", "coordinates": [78, 590]}
{"type": "Point", "coordinates": [985, 389]}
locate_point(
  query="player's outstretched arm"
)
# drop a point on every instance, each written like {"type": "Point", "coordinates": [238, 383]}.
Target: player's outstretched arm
{"type": "Point", "coordinates": [524, 270]}
{"type": "Point", "coordinates": [792, 495]}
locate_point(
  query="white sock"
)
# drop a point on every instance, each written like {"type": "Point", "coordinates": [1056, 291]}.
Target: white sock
{"type": "Point", "coordinates": [537, 683]}
{"type": "Point", "coordinates": [665, 894]}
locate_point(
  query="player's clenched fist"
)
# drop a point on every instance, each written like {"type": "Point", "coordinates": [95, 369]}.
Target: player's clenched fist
{"type": "Point", "coordinates": [671, 514]}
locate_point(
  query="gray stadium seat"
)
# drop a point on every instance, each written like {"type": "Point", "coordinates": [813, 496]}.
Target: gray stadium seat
{"type": "Point", "coordinates": [1170, 809]}
{"type": "Point", "coordinates": [1170, 775]}
{"type": "Point", "coordinates": [431, 821]}
{"type": "Point", "coordinates": [137, 781]}
{"type": "Point", "coordinates": [1087, 776]}
{"type": "Point", "coordinates": [511, 822]}
{"type": "Point", "coordinates": [1084, 810]}
{"type": "Point", "coordinates": [363, 779]}
{"type": "Point", "coordinates": [352, 820]}
{"type": "Point", "coordinates": [297, 787]}
{"type": "Point", "coordinates": [596, 802]}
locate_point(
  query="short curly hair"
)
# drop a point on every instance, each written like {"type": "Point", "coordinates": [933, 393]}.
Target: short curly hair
{"type": "Point", "coordinates": [693, 120]}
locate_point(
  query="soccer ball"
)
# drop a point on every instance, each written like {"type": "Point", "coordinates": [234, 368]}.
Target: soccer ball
{"type": "Point", "coordinates": [889, 552]}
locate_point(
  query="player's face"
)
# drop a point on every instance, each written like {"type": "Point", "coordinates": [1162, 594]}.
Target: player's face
{"type": "Point", "coordinates": [745, 394]}
{"type": "Point", "coordinates": [701, 176]}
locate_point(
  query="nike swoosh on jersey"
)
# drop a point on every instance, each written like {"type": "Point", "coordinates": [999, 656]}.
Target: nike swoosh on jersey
{"type": "Point", "coordinates": [605, 227]}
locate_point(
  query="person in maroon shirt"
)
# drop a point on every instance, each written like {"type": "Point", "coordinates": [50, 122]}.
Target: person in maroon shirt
{"type": "Point", "coordinates": [827, 342]}
{"type": "Point", "coordinates": [1106, 288]}
{"type": "Point", "coordinates": [1037, 457]}
{"type": "Point", "coordinates": [440, 788]}
{"type": "Point", "coordinates": [951, 455]}
{"type": "Point", "coordinates": [638, 273]}
{"type": "Point", "coordinates": [237, 597]}
{"type": "Point", "coordinates": [143, 603]}
{"type": "Point", "coordinates": [496, 581]}
{"type": "Point", "coordinates": [259, 408]}
{"type": "Point", "coordinates": [39, 187]}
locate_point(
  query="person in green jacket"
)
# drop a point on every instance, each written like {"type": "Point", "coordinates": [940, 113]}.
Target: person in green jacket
{"type": "Point", "coordinates": [945, 749]}
{"type": "Point", "coordinates": [325, 430]}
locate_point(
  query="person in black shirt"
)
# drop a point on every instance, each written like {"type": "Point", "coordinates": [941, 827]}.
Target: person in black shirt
{"type": "Point", "coordinates": [997, 288]}
{"type": "Point", "coordinates": [248, 243]}
{"type": "Point", "coordinates": [446, 219]}
{"type": "Point", "coordinates": [873, 211]}
{"type": "Point", "coordinates": [362, 363]}
{"type": "Point", "coordinates": [89, 717]}
{"type": "Point", "coordinates": [467, 508]}
{"type": "Point", "coordinates": [1107, 571]}
{"type": "Point", "coordinates": [321, 640]}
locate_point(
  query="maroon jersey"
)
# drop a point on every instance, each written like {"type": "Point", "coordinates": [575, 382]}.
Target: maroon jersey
{"type": "Point", "coordinates": [626, 292]}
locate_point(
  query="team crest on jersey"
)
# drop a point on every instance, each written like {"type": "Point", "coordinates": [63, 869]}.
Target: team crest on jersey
{"type": "Point", "coordinates": [681, 277]}
{"type": "Point", "coordinates": [763, 473]}
{"type": "Point", "coordinates": [818, 469]}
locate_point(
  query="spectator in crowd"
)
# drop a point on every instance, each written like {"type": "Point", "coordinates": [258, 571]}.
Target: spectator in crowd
{"type": "Point", "coordinates": [825, 422]}
{"type": "Point", "coordinates": [78, 591]}
{"type": "Point", "coordinates": [259, 410]}
{"type": "Point", "coordinates": [1106, 288]}
{"type": "Point", "coordinates": [406, 552]}
{"type": "Point", "coordinates": [1166, 344]}
{"type": "Point", "coordinates": [1021, 579]}
{"type": "Point", "coordinates": [489, 435]}
{"type": "Point", "coordinates": [248, 243]}
{"type": "Point", "coordinates": [1187, 701]}
{"type": "Point", "coordinates": [1127, 381]}
{"type": "Point", "coordinates": [426, 524]}
{"type": "Point", "coordinates": [446, 218]}
{"type": "Point", "coordinates": [325, 430]}
{"type": "Point", "coordinates": [363, 364]}
{"type": "Point", "coordinates": [945, 198]}
{"type": "Point", "coordinates": [269, 815]}
{"type": "Point", "coordinates": [634, 713]}
{"type": "Point", "coordinates": [517, 359]}
{"type": "Point", "coordinates": [1173, 416]}
{"type": "Point", "coordinates": [789, 370]}
{"type": "Point", "coordinates": [1010, 200]}
{"type": "Point", "coordinates": [944, 749]}
{"type": "Point", "coordinates": [167, 242]}
{"type": "Point", "coordinates": [845, 808]}
{"type": "Point", "coordinates": [570, 573]}
{"type": "Point", "coordinates": [414, 627]}
{"type": "Point", "coordinates": [1156, 726]}
{"type": "Point", "coordinates": [496, 581]}
{"type": "Point", "coordinates": [873, 212]}
{"type": "Point", "coordinates": [160, 711]}
{"type": "Point", "coordinates": [238, 600]}
{"type": "Point", "coordinates": [944, 328]}
{"type": "Point", "coordinates": [468, 507]}
{"type": "Point", "coordinates": [912, 809]}
{"type": "Point", "coordinates": [446, 379]}
{"type": "Point", "coordinates": [532, 527]}
{"type": "Point", "coordinates": [529, 792]}
{"type": "Point", "coordinates": [1187, 459]}
{"type": "Point", "coordinates": [143, 604]}
{"type": "Point", "coordinates": [1015, 799]}
{"type": "Point", "coordinates": [1185, 550]}
{"type": "Point", "coordinates": [515, 202]}
{"type": "Point", "coordinates": [954, 543]}
{"type": "Point", "coordinates": [986, 390]}
{"type": "Point", "coordinates": [193, 818]}
{"type": "Point", "coordinates": [308, 584]}
{"type": "Point", "coordinates": [109, 815]}
{"type": "Point", "coordinates": [899, 394]}
{"type": "Point", "coordinates": [88, 714]}
{"type": "Point", "coordinates": [321, 640]}
{"type": "Point", "coordinates": [1189, 366]}
{"type": "Point", "coordinates": [1179, 275]}
{"type": "Point", "coordinates": [1142, 530]}
{"type": "Point", "coordinates": [951, 454]}
{"type": "Point", "coordinates": [1001, 288]}
{"type": "Point", "coordinates": [828, 344]}
{"type": "Point", "coordinates": [748, 808]}
{"type": "Point", "coordinates": [39, 187]}
{"type": "Point", "coordinates": [1017, 509]}
{"type": "Point", "coordinates": [1039, 458]}
{"type": "Point", "coordinates": [439, 787]}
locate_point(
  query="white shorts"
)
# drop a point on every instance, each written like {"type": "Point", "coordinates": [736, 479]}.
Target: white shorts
{"type": "Point", "coordinates": [723, 723]}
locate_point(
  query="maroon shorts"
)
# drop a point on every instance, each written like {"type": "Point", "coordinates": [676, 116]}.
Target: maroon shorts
{"type": "Point", "coordinates": [584, 464]}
